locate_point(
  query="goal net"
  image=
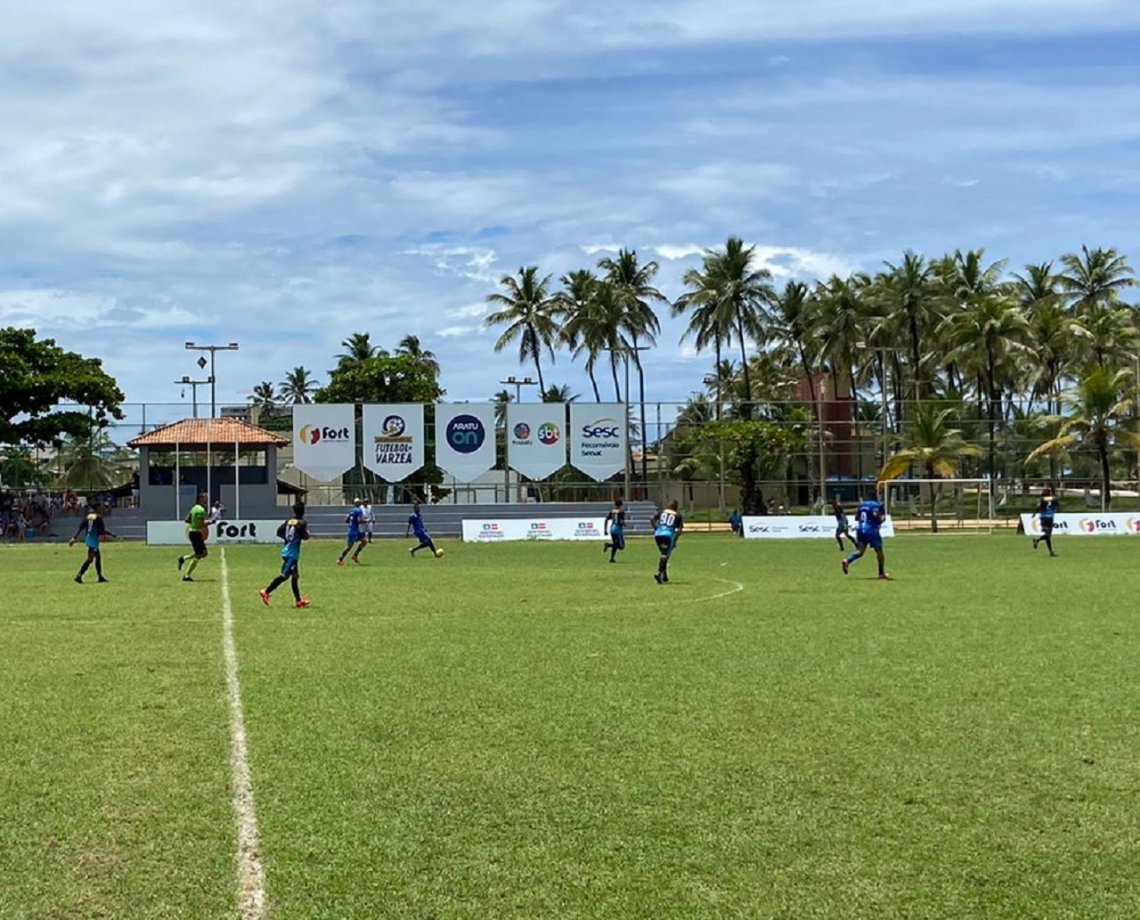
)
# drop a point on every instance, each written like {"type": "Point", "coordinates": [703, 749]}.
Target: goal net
{"type": "Point", "coordinates": [940, 505]}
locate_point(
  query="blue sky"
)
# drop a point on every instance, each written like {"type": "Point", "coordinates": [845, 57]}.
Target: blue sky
{"type": "Point", "coordinates": [284, 174]}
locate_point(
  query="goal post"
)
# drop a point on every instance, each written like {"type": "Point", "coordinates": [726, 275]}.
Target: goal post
{"type": "Point", "coordinates": [956, 505]}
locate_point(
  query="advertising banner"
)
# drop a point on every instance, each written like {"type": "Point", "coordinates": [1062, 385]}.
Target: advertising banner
{"type": "Point", "coordinates": [1093, 524]}
{"type": "Point", "coordinates": [324, 439]}
{"type": "Point", "coordinates": [222, 533]}
{"type": "Point", "coordinates": [598, 439]}
{"type": "Point", "coordinates": [536, 438]}
{"type": "Point", "coordinates": [394, 439]}
{"type": "Point", "coordinates": [799, 527]}
{"type": "Point", "coordinates": [502, 530]}
{"type": "Point", "coordinates": [465, 439]}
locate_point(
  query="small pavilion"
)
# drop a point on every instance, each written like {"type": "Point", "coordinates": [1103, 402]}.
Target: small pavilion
{"type": "Point", "coordinates": [227, 458]}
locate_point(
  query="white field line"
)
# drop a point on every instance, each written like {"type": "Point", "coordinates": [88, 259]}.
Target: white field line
{"type": "Point", "coordinates": [251, 872]}
{"type": "Point", "coordinates": [735, 588]}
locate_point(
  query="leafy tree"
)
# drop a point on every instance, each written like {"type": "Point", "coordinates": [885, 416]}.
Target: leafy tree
{"type": "Point", "coordinates": [932, 444]}
{"type": "Point", "coordinates": [530, 315]}
{"type": "Point", "coordinates": [1095, 277]}
{"type": "Point", "coordinates": [36, 377]}
{"type": "Point", "coordinates": [753, 450]}
{"type": "Point", "coordinates": [380, 379]}
{"type": "Point", "coordinates": [1098, 407]}
{"type": "Point", "coordinates": [584, 329]}
{"type": "Point", "coordinates": [19, 470]}
{"type": "Point", "coordinates": [297, 387]}
{"type": "Point", "coordinates": [358, 347]}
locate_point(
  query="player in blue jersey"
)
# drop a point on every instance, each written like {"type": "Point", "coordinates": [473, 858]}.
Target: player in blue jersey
{"type": "Point", "coordinates": [841, 527]}
{"type": "Point", "coordinates": [614, 528]}
{"type": "Point", "coordinates": [667, 526]}
{"type": "Point", "coordinates": [868, 519]}
{"type": "Point", "coordinates": [416, 525]}
{"type": "Point", "coordinates": [94, 529]}
{"type": "Point", "coordinates": [293, 532]}
{"type": "Point", "coordinates": [1046, 511]}
{"type": "Point", "coordinates": [356, 539]}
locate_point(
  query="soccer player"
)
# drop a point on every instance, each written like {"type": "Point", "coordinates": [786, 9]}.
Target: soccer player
{"type": "Point", "coordinates": [667, 526]}
{"type": "Point", "coordinates": [94, 528]}
{"type": "Point", "coordinates": [416, 523]}
{"type": "Point", "coordinates": [868, 520]}
{"type": "Point", "coordinates": [367, 519]}
{"type": "Point", "coordinates": [355, 534]}
{"type": "Point", "coordinates": [1046, 510]}
{"type": "Point", "coordinates": [841, 528]}
{"type": "Point", "coordinates": [217, 512]}
{"type": "Point", "coordinates": [197, 526]}
{"type": "Point", "coordinates": [614, 528]}
{"type": "Point", "coordinates": [293, 532]}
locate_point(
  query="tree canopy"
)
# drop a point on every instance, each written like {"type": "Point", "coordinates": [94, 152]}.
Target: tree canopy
{"type": "Point", "coordinates": [381, 379]}
{"type": "Point", "coordinates": [38, 377]}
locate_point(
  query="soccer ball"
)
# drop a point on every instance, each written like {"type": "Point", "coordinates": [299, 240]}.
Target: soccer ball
{"type": "Point", "coordinates": [439, 554]}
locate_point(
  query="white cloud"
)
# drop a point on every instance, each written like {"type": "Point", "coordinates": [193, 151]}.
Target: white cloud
{"type": "Point", "coordinates": [674, 252]}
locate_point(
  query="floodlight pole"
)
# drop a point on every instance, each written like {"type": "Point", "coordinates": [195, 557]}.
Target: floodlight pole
{"type": "Point", "coordinates": [213, 350]}
{"type": "Point", "coordinates": [193, 384]}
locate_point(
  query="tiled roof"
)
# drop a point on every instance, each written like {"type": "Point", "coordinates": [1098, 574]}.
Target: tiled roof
{"type": "Point", "coordinates": [198, 432]}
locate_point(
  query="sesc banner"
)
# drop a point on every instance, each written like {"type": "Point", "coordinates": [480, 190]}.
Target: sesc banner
{"type": "Point", "coordinates": [324, 439]}
{"type": "Point", "coordinates": [598, 439]}
{"type": "Point", "coordinates": [394, 439]}
{"type": "Point", "coordinates": [536, 438]}
{"type": "Point", "coordinates": [465, 439]}
{"type": "Point", "coordinates": [799, 527]}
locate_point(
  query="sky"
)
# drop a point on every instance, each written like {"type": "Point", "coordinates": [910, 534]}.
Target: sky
{"type": "Point", "coordinates": [284, 174]}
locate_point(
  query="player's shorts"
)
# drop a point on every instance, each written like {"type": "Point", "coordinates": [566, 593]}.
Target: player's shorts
{"type": "Point", "coordinates": [198, 543]}
{"type": "Point", "coordinates": [290, 567]}
{"type": "Point", "coordinates": [874, 539]}
{"type": "Point", "coordinates": [422, 536]}
{"type": "Point", "coordinates": [665, 543]}
{"type": "Point", "coordinates": [617, 537]}
{"type": "Point", "coordinates": [841, 528]}
{"type": "Point", "coordinates": [1046, 526]}
{"type": "Point", "coordinates": [92, 546]}
{"type": "Point", "coordinates": [354, 536]}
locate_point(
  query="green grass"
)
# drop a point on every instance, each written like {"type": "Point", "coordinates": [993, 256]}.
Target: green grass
{"type": "Point", "coordinates": [523, 731]}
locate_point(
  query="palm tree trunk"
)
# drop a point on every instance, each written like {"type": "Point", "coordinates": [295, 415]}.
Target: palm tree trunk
{"type": "Point", "coordinates": [593, 380]}
{"type": "Point", "coordinates": [641, 403]}
{"type": "Point", "coordinates": [613, 370]}
{"type": "Point", "coordinates": [1105, 479]}
{"type": "Point", "coordinates": [744, 367]}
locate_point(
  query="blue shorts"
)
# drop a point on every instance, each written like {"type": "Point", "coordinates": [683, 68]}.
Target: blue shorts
{"type": "Point", "coordinates": [289, 566]}
{"type": "Point", "coordinates": [422, 536]}
{"type": "Point", "coordinates": [354, 536]}
{"type": "Point", "coordinates": [617, 537]}
{"type": "Point", "coordinates": [874, 539]}
{"type": "Point", "coordinates": [665, 543]}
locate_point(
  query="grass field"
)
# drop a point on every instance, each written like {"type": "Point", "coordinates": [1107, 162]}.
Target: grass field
{"type": "Point", "coordinates": [524, 731]}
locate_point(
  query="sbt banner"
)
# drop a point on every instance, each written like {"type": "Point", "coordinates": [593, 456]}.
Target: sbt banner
{"type": "Point", "coordinates": [800, 527]}
{"type": "Point", "coordinates": [502, 530]}
{"type": "Point", "coordinates": [1108, 524]}
{"type": "Point", "coordinates": [222, 533]}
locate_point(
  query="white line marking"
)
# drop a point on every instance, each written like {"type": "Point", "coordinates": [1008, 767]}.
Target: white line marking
{"type": "Point", "coordinates": [736, 588]}
{"type": "Point", "coordinates": [251, 872]}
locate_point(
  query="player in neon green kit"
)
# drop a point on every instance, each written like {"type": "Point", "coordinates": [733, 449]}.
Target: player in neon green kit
{"type": "Point", "coordinates": [196, 530]}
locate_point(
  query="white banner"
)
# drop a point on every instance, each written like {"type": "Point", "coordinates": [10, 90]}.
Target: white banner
{"type": "Point", "coordinates": [501, 530]}
{"type": "Point", "coordinates": [223, 533]}
{"type": "Point", "coordinates": [465, 439]}
{"type": "Point", "coordinates": [536, 438]}
{"type": "Point", "coordinates": [800, 527]}
{"type": "Point", "coordinates": [1093, 524]}
{"type": "Point", "coordinates": [598, 439]}
{"type": "Point", "coordinates": [394, 439]}
{"type": "Point", "coordinates": [324, 439]}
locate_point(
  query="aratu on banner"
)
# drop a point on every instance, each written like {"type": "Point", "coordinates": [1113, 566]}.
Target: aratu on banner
{"type": "Point", "coordinates": [465, 439]}
{"type": "Point", "coordinates": [324, 439]}
{"type": "Point", "coordinates": [598, 439]}
{"type": "Point", "coordinates": [536, 438]}
{"type": "Point", "coordinates": [394, 439]}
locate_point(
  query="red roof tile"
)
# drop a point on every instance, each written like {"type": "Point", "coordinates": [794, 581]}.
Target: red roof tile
{"type": "Point", "coordinates": [198, 432]}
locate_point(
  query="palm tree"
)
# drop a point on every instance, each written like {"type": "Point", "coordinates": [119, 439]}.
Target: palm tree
{"type": "Point", "coordinates": [581, 330]}
{"type": "Point", "coordinates": [357, 347]}
{"type": "Point", "coordinates": [529, 313]}
{"type": "Point", "coordinates": [1098, 405]}
{"type": "Point", "coordinates": [711, 319]}
{"type": "Point", "coordinates": [934, 446]}
{"type": "Point", "coordinates": [558, 394]}
{"type": "Point", "coordinates": [87, 462]}
{"type": "Point", "coordinates": [1095, 277]}
{"type": "Point", "coordinates": [297, 387]}
{"type": "Point", "coordinates": [264, 396]}
{"type": "Point", "coordinates": [410, 347]}
{"type": "Point", "coordinates": [632, 283]}
{"type": "Point", "coordinates": [502, 399]}
{"type": "Point", "coordinates": [908, 299]}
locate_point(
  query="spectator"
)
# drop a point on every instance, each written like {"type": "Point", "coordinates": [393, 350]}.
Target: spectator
{"type": "Point", "coordinates": [736, 522]}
